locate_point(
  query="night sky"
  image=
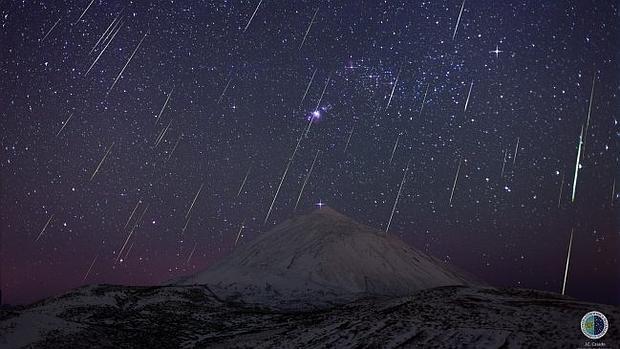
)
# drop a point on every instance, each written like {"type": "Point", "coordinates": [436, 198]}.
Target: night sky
{"type": "Point", "coordinates": [214, 91]}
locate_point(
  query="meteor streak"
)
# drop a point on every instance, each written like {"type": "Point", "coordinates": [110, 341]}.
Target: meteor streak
{"type": "Point", "coordinates": [516, 152]}
{"type": "Point", "coordinates": [577, 164]}
{"type": "Point", "coordinates": [64, 124]}
{"type": "Point", "coordinates": [424, 99]}
{"type": "Point", "coordinates": [504, 162]}
{"type": "Point", "coordinates": [277, 191]}
{"type": "Point", "coordinates": [244, 180]}
{"type": "Point", "coordinates": [561, 188]}
{"type": "Point", "coordinates": [349, 139]}
{"type": "Point", "coordinates": [107, 31]}
{"type": "Point", "coordinates": [90, 268]}
{"type": "Point", "coordinates": [44, 227]}
{"type": "Point", "coordinates": [394, 150]}
{"type": "Point", "coordinates": [101, 162]}
{"type": "Point", "coordinates": [458, 20]}
{"type": "Point", "coordinates": [589, 109]}
{"type": "Point", "coordinates": [164, 106]}
{"type": "Point", "coordinates": [194, 201]}
{"type": "Point", "coordinates": [456, 178]}
{"type": "Point", "coordinates": [253, 14]}
{"type": "Point", "coordinates": [306, 180]}
{"type": "Point", "coordinates": [224, 91]}
{"type": "Point", "coordinates": [397, 197]}
{"type": "Point", "coordinates": [570, 245]}
{"type": "Point", "coordinates": [83, 13]}
{"type": "Point", "coordinates": [468, 95]}
{"type": "Point", "coordinates": [135, 225]}
{"type": "Point", "coordinates": [239, 233]}
{"type": "Point", "coordinates": [308, 30]}
{"type": "Point", "coordinates": [126, 64]}
{"type": "Point", "coordinates": [118, 28]}
{"type": "Point", "coordinates": [50, 30]}
{"type": "Point", "coordinates": [393, 88]}
{"type": "Point", "coordinates": [163, 133]}
{"type": "Point", "coordinates": [307, 88]}
{"type": "Point", "coordinates": [174, 148]}
{"type": "Point", "coordinates": [192, 253]}
{"type": "Point", "coordinates": [132, 213]}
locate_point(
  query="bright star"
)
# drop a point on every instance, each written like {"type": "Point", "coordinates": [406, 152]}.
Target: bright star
{"type": "Point", "coordinates": [497, 51]}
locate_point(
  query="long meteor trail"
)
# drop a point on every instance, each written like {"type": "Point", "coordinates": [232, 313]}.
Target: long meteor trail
{"type": "Point", "coordinates": [64, 124]}
{"type": "Point", "coordinates": [514, 159]}
{"type": "Point", "coordinates": [393, 88]}
{"type": "Point", "coordinates": [458, 20]}
{"type": "Point", "coordinates": [394, 149]}
{"type": "Point", "coordinates": [244, 180]}
{"type": "Point", "coordinates": [90, 268]}
{"type": "Point", "coordinates": [253, 14]}
{"type": "Point", "coordinates": [115, 30]}
{"type": "Point", "coordinates": [44, 227]}
{"type": "Point", "coordinates": [164, 106]}
{"type": "Point", "coordinates": [456, 178]}
{"type": "Point", "coordinates": [577, 164]}
{"type": "Point", "coordinates": [306, 180]}
{"type": "Point", "coordinates": [101, 162]}
{"type": "Point", "coordinates": [400, 189]}
{"type": "Point", "coordinates": [50, 30]}
{"type": "Point", "coordinates": [349, 139]}
{"type": "Point", "coordinates": [277, 191]}
{"type": "Point", "coordinates": [85, 10]}
{"type": "Point", "coordinates": [424, 99]}
{"type": "Point", "coordinates": [194, 201]}
{"type": "Point", "coordinates": [570, 245]}
{"type": "Point", "coordinates": [308, 30]}
{"type": "Point", "coordinates": [468, 95]}
{"type": "Point", "coordinates": [126, 64]}
{"type": "Point", "coordinates": [307, 88]}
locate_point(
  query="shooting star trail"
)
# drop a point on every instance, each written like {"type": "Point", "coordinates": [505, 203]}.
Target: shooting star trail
{"type": "Point", "coordinates": [253, 14]}
{"type": "Point", "coordinates": [239, 233]}
{"type": "Point", "coordinates": [577, 164]}
{"type": "Point", "coordinates": [164, 106]}
{"type": "Point", "coordinates": [561, 188]}
{"type": "Point", "coordinates": [613, 193]}
{"type": "Point", "coordinates": [589, 109]}
{"type": "Point", "coordinates": [194, 201]}
{"type": "Point", "coordinates": [318, 104]}
{"type": "Point", "coordinates": [504, 162]}
{"type": "Point", "coordinates": [244, 180]}
{"type": "Point", "coordinates": [135, 225]}
{"type": "Point", "coordinates": [424, 99]}
{"type": "Point", "coordinates": [275, 196]}
{"type": "Point", "coordinates": [224, 91]}
{"type": "Point", "coordinates": [90, 268]}
{"type": "Point", "coordinates": [349, 139]}
{"type": "Point", "coordinates": [107, 32]}
{"type": "Point", "coordinates": [394, 149]}
{"type": "Point", "coordinates": [514, 159]}
{"type": "Point", "coordinates": [44, 227]}
{"type": "Point", "coordinates": [186, 223]}
{"type": "Point", "coordinates": [397, 198]}
{"type": "Point", "coordinates": [458, 20]}
{"type": "Point", "coordinates": [118, 28]}
{"type": "Point", "coordinates": [128, 251]}
{"type": "Point", "coordinates": [126, 64]}
{"type": "Point", "coordinates": [468, 95]}
{"type": "Point", "coordinates": [456, 178]}
{"type": "Point", "coordinates": [132, 213]}
{"type": "Point", "coordinates": [393, 88]}
{"type": "Point", "coordinates": [570, 245]}
{"type": "Point", "coordinates": [163, 133]}
{"type": "Point", "coordinates": [306, 180]}
{"type": "Point", "coordinates": [101, 162]}
{"type": "Point", "coordinates": [308, 88]}
{"type": "Point", "coordinates": [308, 30]}
{"type": "Point", "coordinates": [84, 12]}
{"type": "Point", "coordinates": [50, 30]}
{"type": "Point", "coordinates": [174, 148]}
{"type": "Point", "coordinates": [192, 253]}
{"type": "Point", "coordinates": [64, 124]}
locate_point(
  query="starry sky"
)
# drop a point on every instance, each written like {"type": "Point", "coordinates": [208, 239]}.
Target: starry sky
{"type": "Point", "coordinates": [145, 165]}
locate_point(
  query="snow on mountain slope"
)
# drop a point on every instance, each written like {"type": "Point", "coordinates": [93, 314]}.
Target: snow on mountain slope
{"type": "Point", "coordinates": [326, 254]}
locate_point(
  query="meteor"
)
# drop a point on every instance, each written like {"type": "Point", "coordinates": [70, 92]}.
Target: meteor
{"type": "Point", "coordinates": [577, 164]}
{"type": "Point", "coordinates": [90, 268]}
{"type": "Point", "coordinates": [194, 201]}
{"type": "Point", "coordinates": [589, 109]}
{"type": "Point", "coordinates": [306, 180]}
{"type": "Point", "coordinates": [126, 64]}
{"type": "Point", "coordinates": [50, 30]}
{"type": "Point", "coordinates": [83, 13]}
{"type": "Point", "coordinates": [44, 227]}
{"type": "Point", "coordinates": [424, 99]}
{"type": "Point", "coordinates": [308, 30]}
{"type": "Point", "coordinates": [239, 233]}
{"type": "Point", "coordinates": [174, 148]}
{"type": "Point", "coordinates": [244, 180]}
{"type": "Point", "coordinates": [118, 28]}
{"type": "Point", "coordinates": [64, 124]}
{"type": "Point", "coordinates": [516, 152]}
{"type": "Point", "coordinates": [394, 150]}
{"type": "Point", "coordinates": [307, 88]}
{"type": "Point", "coordinates": [163, 133]}
{"type": "Point", "coordinates": [192, 253]}
{"type": "Point", "coordinates": [468, 95]}
{"type": "Point", "coordinates": [101, 162]}
{"type": "Point", "coordinates": [456, 178]}
{"type": "Point", "coordinates": [397, 197]}
{"type": "Point", "coordinates": [318, 104]}
{"type": "Point", "coordinates": [164, 106]}
{"type": "Point", "coordinates": [135, 225]}
{"type": "Point", "coordinates": [504, 162]}
{"type": "Point", "coordinates": [570, 245]}
{"type": "Point", "coordinates": [561, 187]}
{"type": "Point", "coordinates": [458, 20]}
{"type": "Point", "coordinates": [185, 226]}
{"type": "Point", "coordinates": [393, 88]}
{"type": "Point", "coordinates": [349, 139]}
{"type": "Point", "coordinates": [132, 213]}
{"type": "Point", "coordinates": [277, 191]}
{"type": "Point", "coordinates": [253, 14]}
{"type": "Point", "coordinates": [224, 91]}
{"type": "Point", "coordinates": [107, 31]}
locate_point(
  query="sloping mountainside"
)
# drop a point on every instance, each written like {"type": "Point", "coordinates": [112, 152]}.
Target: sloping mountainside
{"type": "Point", "coordinates": [193, 317]}
{"type": "Point", "coordinates": [324, 256]}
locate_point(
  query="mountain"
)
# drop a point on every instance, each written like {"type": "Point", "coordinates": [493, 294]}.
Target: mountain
{"type": "Point", "coordinates": [194, 317]}
{"type": "Point", "coordinates": [321, 258]}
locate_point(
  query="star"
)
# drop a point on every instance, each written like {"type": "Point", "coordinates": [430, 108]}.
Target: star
{"type": "Point", "coordinates": [497, 51]}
